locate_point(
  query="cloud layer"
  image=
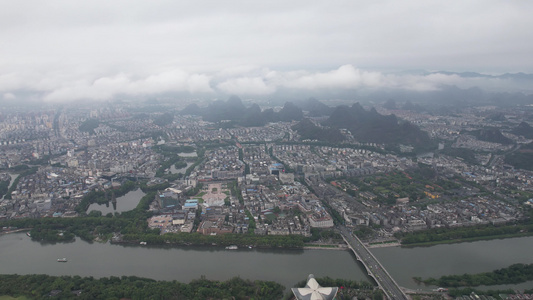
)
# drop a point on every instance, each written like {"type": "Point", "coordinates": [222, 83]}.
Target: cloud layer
{"type": "Point", "coordinates": [68, 50]}
{"type": "Point", "coordinates": [244, 81]}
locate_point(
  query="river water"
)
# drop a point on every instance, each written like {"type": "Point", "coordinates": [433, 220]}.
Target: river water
{"type": "Point", "coordinates": [483, 256]}
{"type": "Point", "coordinates": [124, 203]}
{"type": "Point", "coordinates": [18, 254]}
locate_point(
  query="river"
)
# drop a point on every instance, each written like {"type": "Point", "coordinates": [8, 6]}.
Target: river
{"type": "Point", "coordinates": [18, 254]}
{"type": "Point", "coordinates": [454, 259]}
{"type": "Point", "coordinates": [124, 203]}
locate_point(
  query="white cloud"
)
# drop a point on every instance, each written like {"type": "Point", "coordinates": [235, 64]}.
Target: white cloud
{"type": "Point", "coordinates": [102, 48]}
{"type": "Point", "coordinates": [106, 88]}
{"type": "Point", "coordinates": [58, 87]}
{"type": "Point", "coordinates": [345, 77]}
{"type": "Point", "coordinates": [246, 86]}
{"type": "Point", "coordinates": [9, 96]}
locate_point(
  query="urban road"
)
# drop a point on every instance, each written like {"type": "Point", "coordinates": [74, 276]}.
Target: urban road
{"type": "Point", "coordinates": [373, 266]}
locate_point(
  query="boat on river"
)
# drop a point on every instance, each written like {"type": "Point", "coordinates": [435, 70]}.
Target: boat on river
{"type": "Point", "coordinates": [232, 247]}
{"type": "Point", "coordinates": [62, 260]}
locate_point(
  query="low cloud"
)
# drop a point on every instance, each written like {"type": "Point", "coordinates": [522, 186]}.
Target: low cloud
{"type": "Point", "coordinates": [62, 86]}
{"type": "Point", "coordinates": [246, 86]}
{"type": "Point", "coordinates": [106, 88]}
{"type": "Point", "coordinates": [9, 96]}
{"type": "Point", "coordinates": [345, 77]}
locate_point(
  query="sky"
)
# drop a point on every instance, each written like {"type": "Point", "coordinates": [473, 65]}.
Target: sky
{"type": "Point", "coordinates": [62, 51]}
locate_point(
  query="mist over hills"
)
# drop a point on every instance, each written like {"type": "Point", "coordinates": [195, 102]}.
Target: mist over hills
{"type": "Point", "coordinates": [309, 131]}
{"type": "Point", "coordinates": [346, 83]}
{"type": "Point", "coordinates": [364, 125]}
{"type": "Point", "coordinates": [523, 129]}
{"type": "Point", "coordinates": [233, 110]}
{"type": "Point", "coordinates": [493, 135]}
{"type": "Point", "coordinates": [370, 126]}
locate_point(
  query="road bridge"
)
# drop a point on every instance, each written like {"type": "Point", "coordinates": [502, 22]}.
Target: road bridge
{"type": "Point", "coordinates": [374, 268]}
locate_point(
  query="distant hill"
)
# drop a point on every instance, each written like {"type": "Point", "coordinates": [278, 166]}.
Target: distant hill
{"type": "Point", "coordinates": [370, 126]}
{"type": "Point", "coordinates": [514, 76]}
{"type": "Point", "coordinates": [164, 119]}
{"type": "Point", "coordinates": [290, 112]}
{"type": "Point", "coordinates": [192, 109]}
{"type": "Point", "coordinates": [521, 159]}
{"type": "Point", "coordinates": [499, 117]}
{"type": "Point", "coordinates": [89, 126]}
{"type": "Point", "coordinates": [308, 130]}
{"type": "Point", "coordinates": [492, 135]}
{"type": "Point", "coordinates": [523, 129]}
{"type": "Point", "coordinates": [234, 110]}
{"type": "Point", "coordinates": [408, 105]}
{"type": "Point", "coordinates": [314, 107]}
{"type": "Point", "coordinates": [390, 104]}
{"type": "Point", "coordinates": [253, 116]}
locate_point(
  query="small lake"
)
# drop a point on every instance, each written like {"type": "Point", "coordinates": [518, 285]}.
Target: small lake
{"type": "Point", "coordinates": [173, 169]}
{"type": "Point", "coordinates": [13, 177]}
{"type": "Point", "coordinates": [124, 203]}
{"type": "Point", "coordinates": [189, 154]}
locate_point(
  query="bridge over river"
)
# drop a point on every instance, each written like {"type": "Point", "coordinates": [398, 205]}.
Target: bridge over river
{"type": "Point", "coordinates": [373, 266]}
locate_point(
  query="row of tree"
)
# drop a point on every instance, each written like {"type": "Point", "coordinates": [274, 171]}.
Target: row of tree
{"type": "Point", "coordinates": [451, 234]}
{"type": "Point", "coordinates": [513, 274]}
{"type": "Point", "coordinates": [4, 186]}
{"type": "Point", "coordinates": [266, 241]}
{"type": "Point", "coordinates": [131, 287]}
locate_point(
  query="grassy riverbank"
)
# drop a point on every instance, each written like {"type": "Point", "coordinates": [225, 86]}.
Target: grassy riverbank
{"type": "Point", "coordinates": [438, 236]}
{"type": "Point", "coordinates": [464, 240]}
{"type": "Point", "coordinates": [517, 273]}
{"type": "Point", "coordinates": [325, 247]}
{"type": "Point", "coordinates": [13, 298]}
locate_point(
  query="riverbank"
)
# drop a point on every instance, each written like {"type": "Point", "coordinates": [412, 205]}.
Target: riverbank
{"type": "Point", "coordinates": [466, 240]}
{"type": "Point", "coordinates": [440, 260]}
{"type": "Point", "coordinates": [383, 245]}
{"type": "Point", "coordinates": [436, 236]}
{"type": "Point", "coordinates": [326, 247]}
{"type": "Point", "coordinates": [14, 231]}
